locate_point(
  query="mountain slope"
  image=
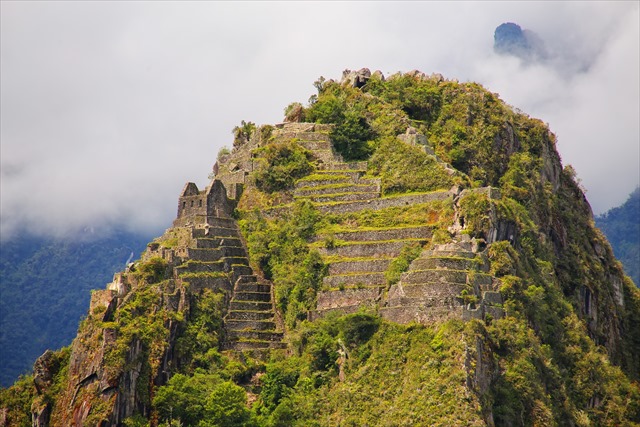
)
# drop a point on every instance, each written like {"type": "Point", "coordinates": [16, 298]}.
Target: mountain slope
{"type": "Point", "coordinates": [621, 225]}
{"type": "Point", "coordinates": [44, 288]}
{"type": "Point", "coordinates": [406, 251]}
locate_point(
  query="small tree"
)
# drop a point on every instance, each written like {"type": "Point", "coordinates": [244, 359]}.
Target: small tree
{"type": "Point", "coordinates": [242, 133]}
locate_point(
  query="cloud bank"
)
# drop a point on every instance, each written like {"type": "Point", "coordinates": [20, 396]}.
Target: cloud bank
{"type": "Point", "coordinates": [107, 109]}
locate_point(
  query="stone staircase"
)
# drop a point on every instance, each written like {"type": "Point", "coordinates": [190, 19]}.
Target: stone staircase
{"type": "Point", "coordinates": [357, 263]}
{"type": "Point", "coordinates": [450, 280]}
{"type": "Point", "coordinates": [216, 259]}
{"type": "Point", "coordinates": [250, 321]}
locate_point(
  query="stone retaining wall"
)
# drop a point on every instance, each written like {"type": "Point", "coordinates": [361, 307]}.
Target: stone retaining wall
{"type": "Point", "coordinates": [376, 204]}
{"type": "Point", "coordinates": [385, 234]}
{"type": "Point", "coordinates": [364, 266]}
{"type": "Point", "coordinates": [368, 249]}
{"type": "Point", "coordinates": [354, 279]}
{"type": "Point", "coordinates": [348, 297]}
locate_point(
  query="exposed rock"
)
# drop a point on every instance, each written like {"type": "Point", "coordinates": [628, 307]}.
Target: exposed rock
{"type": "Point", "coordinates": [356, 78]}
{"type": "Point", "coordinates": [42, 375]}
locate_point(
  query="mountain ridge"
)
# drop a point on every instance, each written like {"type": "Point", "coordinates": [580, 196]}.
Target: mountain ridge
{"type": "Point", "coordinates": [400, 251]}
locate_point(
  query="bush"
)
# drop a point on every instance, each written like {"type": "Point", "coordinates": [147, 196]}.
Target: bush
{"type": "Point", "coordinates": [281, 165]}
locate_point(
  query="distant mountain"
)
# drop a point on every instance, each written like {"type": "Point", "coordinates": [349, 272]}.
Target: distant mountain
{"type": "Point", "coordinates": [403, 251]}
{"type": "Point", "coordinates": [511, 39]}
{"type": "Point", "coordinates": [45, 287]}
{"type": "Point", "coordinates": [621, 225]}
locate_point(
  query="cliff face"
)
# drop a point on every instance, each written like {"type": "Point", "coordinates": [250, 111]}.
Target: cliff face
{"type": "Point", "coordinates": [413, 253]}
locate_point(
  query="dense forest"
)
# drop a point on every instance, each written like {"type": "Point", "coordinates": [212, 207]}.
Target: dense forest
{"type": "Point", "coordinates": [621, 225]}
{"type": "Point", "coordinates": [45, 285]}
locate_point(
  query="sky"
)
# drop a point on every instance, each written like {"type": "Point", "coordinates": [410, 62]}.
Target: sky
{"type": "Point", "coordinates": [108, 108]}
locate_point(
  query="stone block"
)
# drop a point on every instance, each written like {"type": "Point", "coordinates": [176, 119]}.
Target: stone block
{"type": "Point", "coordinates": [348, 297]}
{"type": "Point", "coordinates": [365, 249]}
{"type": "Point", "coordinates": [359, 266]}
{"type": "Point", "coordinates": [354, 279]}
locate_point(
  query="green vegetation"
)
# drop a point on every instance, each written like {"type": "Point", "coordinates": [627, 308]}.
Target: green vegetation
{"type": "Point", "coordinates": [403, 168]}
{"type": "Point", "coordinates": [566, 351]}
{"type": "Point", "coordinates": [621, 225]}
{"type": "Point", "coordinates": [242, 133]}
{"type": "Point", "coordinates": [45, 290]}
{"type": "Point", "coordinates": [281, 164]}
{"type": "Point", "coordinates": [400, 264]}
{"type": "Point", "coordinates": [279, 248]}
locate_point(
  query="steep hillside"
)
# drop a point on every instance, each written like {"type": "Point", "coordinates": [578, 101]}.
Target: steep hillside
{"type": "Point", "coordinates": [45, 283]}
{"type": "Point", "coordinates": [621, 225]}
{"type": "Point", "coordinates": [407, 251]}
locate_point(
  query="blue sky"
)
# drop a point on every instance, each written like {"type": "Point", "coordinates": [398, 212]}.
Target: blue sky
{"type": "Point", "coordinates": [108, 108]}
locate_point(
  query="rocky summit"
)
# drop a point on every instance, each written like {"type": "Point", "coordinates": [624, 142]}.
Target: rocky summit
{"type": "Point", "coordinates": [400, 251]}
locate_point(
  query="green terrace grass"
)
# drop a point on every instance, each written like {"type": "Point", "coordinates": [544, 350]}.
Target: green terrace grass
{"type": "Point", "coordinates": [335, 195]}
{"type": "Point", "coordinates": [332, 186]}
{"type": "Point", "coordinates": [336, 258]}
{"type": "Point", "coordinates": [339, 243]}
{"type": "Point", "coordinates": [345, 229]}
{"type": "Point", "coordinates": [324, 177]}
{"type": "Point", "coordinates": [208, 274]}
{"type": "Point", "coordinates": [352, 287]}
{"type": "Point", "coordinates": [361, 273]}
{"type": "Point", "coordinates": [432, 212]}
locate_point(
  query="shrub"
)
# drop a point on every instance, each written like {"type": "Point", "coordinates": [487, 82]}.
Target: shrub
{"type": "Point", "coordinates": [281, 165]}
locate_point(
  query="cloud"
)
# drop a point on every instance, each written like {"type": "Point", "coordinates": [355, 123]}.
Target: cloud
{"type": "Point", "coordinates": [109, 107]}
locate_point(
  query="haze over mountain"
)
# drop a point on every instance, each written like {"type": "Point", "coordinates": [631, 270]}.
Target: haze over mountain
{"type": "Point", "coordinates": [107, 106]}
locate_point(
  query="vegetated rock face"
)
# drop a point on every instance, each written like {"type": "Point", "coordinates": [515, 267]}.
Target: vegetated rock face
{"type": "Point", "coordinates": [501, 246]}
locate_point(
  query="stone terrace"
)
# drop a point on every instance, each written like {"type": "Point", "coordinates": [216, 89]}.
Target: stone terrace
{"type": "Point", "coordinates": [450, 280]}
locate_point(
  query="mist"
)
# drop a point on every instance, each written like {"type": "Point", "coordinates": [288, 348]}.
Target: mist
{"type": "Point", "coordinates": [108, 108]}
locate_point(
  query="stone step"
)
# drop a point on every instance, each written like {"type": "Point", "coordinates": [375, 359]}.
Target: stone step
{"type": "Point", "coordinates": [233, 251]}
{"type": "Point", "coordinates": [318, 181]}
{"type": "Point", "coordinates": [368, 249]}
{"type": "Point", "coordinates": [253, 325]}
{"type": "Point", "coordinates": [253, 287]}
{"type": "Point", "coordinates": [328, 173]}
{"type": "Point", "coordinates": [302, 136]}
{"type": "Point", "coordinates": [253, 296]}
{"type": "Point", "coordinates": [236, 260]}
{"type": "Point", "coordinates": [420, 313]}
{"type": "Point", "coordinates": [326, 156]}
{"type": "Point", "coordinates": [207, 255]}
{"type": "Point", "coordinates": [348, 297]}
{"type": "Point", "coordinates": [341, 188]}
{"type": "Point", "coordinates": [197, 283]}
{"type": "Point", "coordinates": [317, 144]}
{"type": "Point", "coordinates": [382, 203]}
{"type": "Point", "coordinates": [446, 254]}
{"type": "Point", "coordinates": [249, 315]}
{"type": "Point", "coordinates": [215, 221]}
{"type": "Point", "coordinates": [372, 265]}
{"type": "Point", "coordinates": [342, 197]}
{"type": "Point", "coordinates": [448, 276]}
{"type": "Point", "coordinates": [444, 291]}
{"type": "Point", "coordinates": [256, 344]}
{"type": "Point", "coordinates": [396, 233]}
{"type": "Point", "coordinates": [250, 305]}
{"type": "Point", "coordinates": [215, 232]}
{"type": "Point", "coordinates": [448, 263]}
{"type": "Point", "coordinates": [354, 279]}
{"type": "Point", "coordinates": [200, 266]}
{"type": "Point", "coordinates": [254, 335]}
{"type": "Point", "coordinates": [239, 271]}
{"type": "Point", "coordinates": [216, 242]}
{"type": "Point", "coordinates": [360, 166]}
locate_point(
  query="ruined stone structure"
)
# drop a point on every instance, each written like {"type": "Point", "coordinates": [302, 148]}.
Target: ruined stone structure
{"type": "Point", "coordinates": [449, 281]}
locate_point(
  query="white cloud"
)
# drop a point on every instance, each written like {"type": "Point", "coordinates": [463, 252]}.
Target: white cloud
{"type": "Point", "coordinates": [108, 108]}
